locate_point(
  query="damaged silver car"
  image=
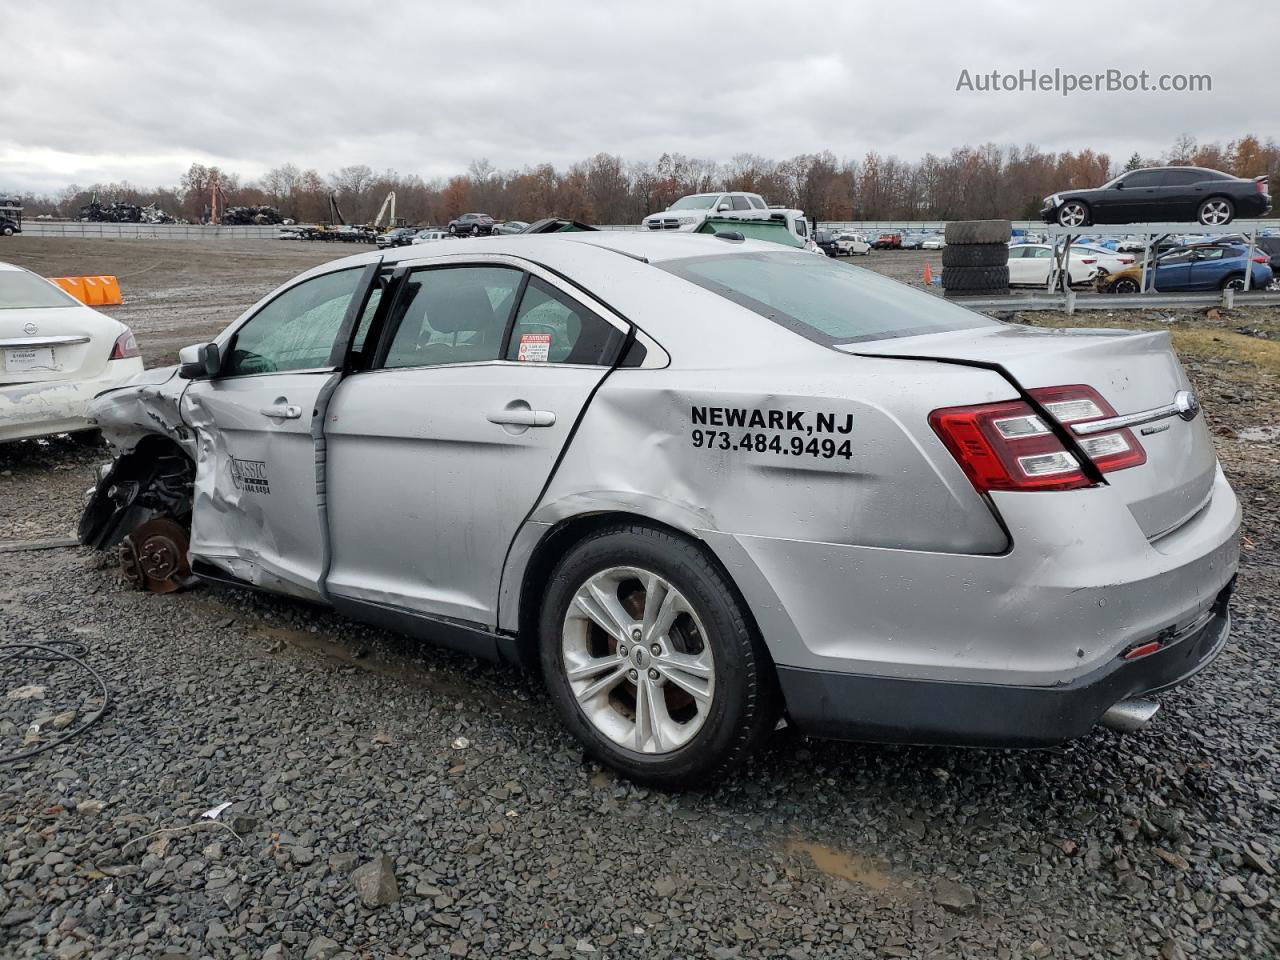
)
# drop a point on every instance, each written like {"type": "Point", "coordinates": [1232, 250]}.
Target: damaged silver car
{"type": "Point", "coordinates": [698, 482]}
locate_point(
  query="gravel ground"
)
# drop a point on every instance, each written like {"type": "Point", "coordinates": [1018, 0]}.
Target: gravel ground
{"type": "Point", "coordinates": [389, 800]}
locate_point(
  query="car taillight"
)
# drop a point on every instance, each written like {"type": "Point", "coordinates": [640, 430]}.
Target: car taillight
{"type": "Point", "coordinates": [126, 346]}
{"type": "Point", "coordinates": [1007, 446]}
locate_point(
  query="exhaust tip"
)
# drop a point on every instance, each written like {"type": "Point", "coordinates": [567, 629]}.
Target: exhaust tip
{"type": "Point", "coordinates": [1129, 716]}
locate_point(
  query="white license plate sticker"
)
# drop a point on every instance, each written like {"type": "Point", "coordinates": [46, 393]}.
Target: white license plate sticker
{"type": "Point", "coordinates": [35, 358]}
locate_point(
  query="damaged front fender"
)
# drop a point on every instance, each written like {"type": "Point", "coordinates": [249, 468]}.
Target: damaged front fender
{"type": "Point", "coordinates": [154, 459]}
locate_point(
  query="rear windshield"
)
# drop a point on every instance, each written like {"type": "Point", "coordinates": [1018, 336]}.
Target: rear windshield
{"type": "Point", "coordinates": [822, 299]}
{"type": "Point", "coordinates": [19, 289]}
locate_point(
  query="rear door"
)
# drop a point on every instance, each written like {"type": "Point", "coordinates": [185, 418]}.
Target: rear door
{"type": "Point", "coordinates": [438, 453]}
{"type": "Point", "coordinates": [255, 507]}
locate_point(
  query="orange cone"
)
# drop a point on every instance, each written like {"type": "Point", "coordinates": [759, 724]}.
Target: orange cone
{"type": "Point", "coordinates": [928, 275]}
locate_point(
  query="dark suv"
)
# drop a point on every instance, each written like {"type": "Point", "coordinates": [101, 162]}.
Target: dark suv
{"type": "Point", "coordinates": [471, 225]}
{"type": "Point", "coordinates": [1156, 194]}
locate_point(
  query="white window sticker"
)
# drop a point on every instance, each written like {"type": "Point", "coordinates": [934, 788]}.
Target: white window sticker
{"type": "Point", "coordinates": [535, 347]}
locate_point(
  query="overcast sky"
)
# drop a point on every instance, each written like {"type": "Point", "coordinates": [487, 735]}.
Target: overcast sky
{"type": "Point", "coordinates": [138, 91]}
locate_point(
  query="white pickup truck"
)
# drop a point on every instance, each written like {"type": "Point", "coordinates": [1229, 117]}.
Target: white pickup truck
{"type": "Point", "coordinates": [687, 213]}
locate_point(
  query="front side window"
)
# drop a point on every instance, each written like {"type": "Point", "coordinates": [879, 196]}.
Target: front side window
{"type": "Point", "coordinates": [1144, 178]}
{"type": "Point", "coordinates": [822, 299]}
{"type": "Point", "coordinates": [296, 330]}
{"type": "Point", "coordinates": [451, 315]}
{"type": "Point", "coordinates": [552, 328]}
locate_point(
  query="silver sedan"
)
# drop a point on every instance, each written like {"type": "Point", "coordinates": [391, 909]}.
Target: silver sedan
{"type": "Point", "coordinates": [699, 483]}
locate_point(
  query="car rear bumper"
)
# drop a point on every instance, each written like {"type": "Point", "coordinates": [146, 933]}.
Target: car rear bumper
{"type": "Point", "coordinates": [880, 630]}
{"type": "Point", "coordinates": [59, 406]}
{"type": "Point", "coordinates": [895, 710]}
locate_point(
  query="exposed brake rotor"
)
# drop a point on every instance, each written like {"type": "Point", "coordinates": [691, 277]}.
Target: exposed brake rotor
{"type": "Point", "coordinates": [154, 556]}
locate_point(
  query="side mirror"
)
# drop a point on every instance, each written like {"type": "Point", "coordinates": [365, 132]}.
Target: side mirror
{"type": "Point", "coordinates": [200, 361]}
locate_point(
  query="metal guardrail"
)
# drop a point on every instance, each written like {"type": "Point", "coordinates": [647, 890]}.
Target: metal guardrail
{"type": "Point", "coordinates": [1071, 302]}
{"type": "Point", "coordinates": [146, 231]}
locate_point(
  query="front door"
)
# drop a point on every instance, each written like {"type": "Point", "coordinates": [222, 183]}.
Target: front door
{"type": "Point", "coordinates": [255, 509]}
{"type": "Point", "coordinates": [438, 454]}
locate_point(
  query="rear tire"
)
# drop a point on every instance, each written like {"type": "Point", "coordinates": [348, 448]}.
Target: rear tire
{"type": "Point", "coordinates": [975, 279]}
{"type": "Point", "coordinates": [1216, 212]}
{"type": "Point", "coordinates": [975, 255]}
{"type": "Point", "coordinates": [978, 231]}
{"type": "Point", "coordinates": [710, 681]}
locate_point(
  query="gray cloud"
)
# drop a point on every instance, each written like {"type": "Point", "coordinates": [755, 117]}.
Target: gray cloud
{"type": "Point", "coordinates": [138, 90]}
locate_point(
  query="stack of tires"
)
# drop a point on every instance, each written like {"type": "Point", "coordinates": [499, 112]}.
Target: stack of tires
{"type": "Point", "coordinates": [975, 261]}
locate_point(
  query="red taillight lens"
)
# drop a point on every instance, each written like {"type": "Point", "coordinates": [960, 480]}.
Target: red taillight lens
{"type": "Point", "coordinates": [1007, 446]}
{"type": "Point", "coordinates": [126, 346]}
{"type": "Point", "coordinates": [1114, 450]}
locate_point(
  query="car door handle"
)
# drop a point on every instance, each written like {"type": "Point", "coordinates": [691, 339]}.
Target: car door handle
{"type": "Point", "coordinates": [282, 411]}
{"type": "Point", "coordinates": [523, 417]}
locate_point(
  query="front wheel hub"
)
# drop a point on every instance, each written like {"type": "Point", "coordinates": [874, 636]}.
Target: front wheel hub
{"type": "Point", "coordinates": [154, 556]}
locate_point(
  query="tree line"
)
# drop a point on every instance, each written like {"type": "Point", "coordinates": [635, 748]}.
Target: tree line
{"type": "Point", "coordinates": [966, 183]}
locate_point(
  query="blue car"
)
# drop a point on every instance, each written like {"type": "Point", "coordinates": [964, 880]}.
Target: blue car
{"type": "Point", "coordinates": [1202, 266]}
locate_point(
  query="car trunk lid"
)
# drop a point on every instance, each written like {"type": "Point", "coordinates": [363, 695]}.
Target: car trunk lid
{"type": "Point", "coordinates": [56, 343]}
{"type": "Point", "coordinates": [1136, 372]}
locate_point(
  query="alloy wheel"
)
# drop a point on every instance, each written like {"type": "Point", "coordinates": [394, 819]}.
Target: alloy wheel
{"type": "Point", "coordinates": [637, 659]}
{"type": "Point", "coordinates": [1215, 213]}
{"type": "Point", "coordinates": [1072, 214]}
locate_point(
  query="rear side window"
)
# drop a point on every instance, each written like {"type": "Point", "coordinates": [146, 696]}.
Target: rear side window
{"type": "Point", "coordinates": [552, 328]}
{"type": "Point", "coordinates": [20, 290]}
{"type": "Point", "coordinates": [451, 315]}
{"type": "Point", "coordinates": [822, 299]}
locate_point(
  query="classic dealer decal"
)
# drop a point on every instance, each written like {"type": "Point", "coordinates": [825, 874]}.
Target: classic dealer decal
{"type": "Point", "coordinates": [250, 476]}
{"type": "Point", "coordinates": [793, 433]}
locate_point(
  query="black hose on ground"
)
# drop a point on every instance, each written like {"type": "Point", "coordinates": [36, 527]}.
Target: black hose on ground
{"type": "Point", "coordinates": [51, 653]}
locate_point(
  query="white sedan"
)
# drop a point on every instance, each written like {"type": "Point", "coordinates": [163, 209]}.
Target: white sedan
{"type": "Point", "coordinates": [1030, 264]}
{"type": "Point", "coordinates": [56, 355]}
{"type": "Point", "coordinates": [1109, 261]}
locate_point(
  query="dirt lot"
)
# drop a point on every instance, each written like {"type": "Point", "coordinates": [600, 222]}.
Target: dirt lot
{"type": "Point", "coordinates": [338, 745]}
